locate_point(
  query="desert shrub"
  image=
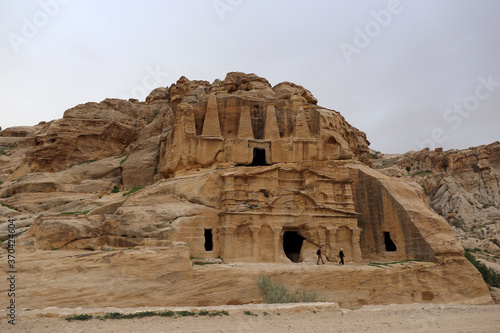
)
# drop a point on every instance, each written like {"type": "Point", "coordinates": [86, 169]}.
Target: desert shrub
{"type": "Point", "coordinates": [155, 114]}
{"type": "Point", "coordinates": [458, 223]}
{"type": "Point", "coordinates": [85, 212]}
{"type": "Point", "coordinates": [185, 313]}
{"type": "Point", "coordinates": [115, 189]}
{"type": "Point", "coordinates": [219, 313]}
{"type": "Point", "coordinates": [80, 317]}
{"type": "Point", "coordinates": [6, 151]}
{"type": "Point", "coordinates": [272, 292]}
{"type": "Point", "coordinates": [307, 296]}
{"type": "Point", "coordinates": [118, 315]}
{"type": "Point", "coordinates": [474, 250]}
{"type": "Point", "coordinates": [249, 313]}
{"type": "Point", "coordinates": [8, 206]}
{"type": "Point", "coordinates": [135, 189]}
{"type": "Point", "coordinates": [276, 292]}
{"type": "Point", "coordinates": [113, 315]}
{"type": "Point", "coordinates": [486, 205]}
{"type": "Point", "coordinates": [166, 314]}
{"type": "Point", "coordinates": [490, 276]}
{"type": "Point", "coordinates": [143, 314]}
{"type": "Point", "coordinates": [123, 160]}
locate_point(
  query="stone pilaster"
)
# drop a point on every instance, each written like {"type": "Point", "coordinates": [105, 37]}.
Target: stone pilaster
{"type": "Point", "coordinates": [331, 240]}
{"type": "Point", "coordinates": [356, 248]}
{"type": "Point", "coordinates": [255, 246]}
{"type": "Point", "coordinates": [276, 242]}
{"type": "Point", "coordinates": [227, 244]}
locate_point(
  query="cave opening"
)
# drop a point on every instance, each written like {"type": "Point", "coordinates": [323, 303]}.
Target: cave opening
{"type": "Point", "coordinates": [209, 244]}
{"type": "Point", "coordinates": [292, 244]}
{"type": "Point", "coordinates": [259, 157]}
{"type": "Point", "coordinates": [389, 244]}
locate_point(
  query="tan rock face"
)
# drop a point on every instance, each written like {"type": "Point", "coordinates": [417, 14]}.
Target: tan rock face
{"type": "Point", "coordinates": [243, 120]}
{"type": "Point", "coordinates": [236, 169]}
{"type": "Point", "coordinates": [462, 186]}
{"type": "Point", "coordinates": [164, 276]}
{"type": "Point", "coordinates": [15, 143]}
{"type": "Point", "coordinates": [87, 132]}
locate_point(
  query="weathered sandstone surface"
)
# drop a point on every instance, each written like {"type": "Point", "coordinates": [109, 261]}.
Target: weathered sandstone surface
{"type": "Point", "coordinates": [164, 276]}
{"type": "Point", "coordinates": [463, 186]}
{"type": "Point", "coordinates": [114, 200]}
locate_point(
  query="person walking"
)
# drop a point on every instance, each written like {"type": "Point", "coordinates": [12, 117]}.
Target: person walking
{"type": "Point", "coordinates": [320, 257]}
{"type": "Point", "coordinates": [341, 255]}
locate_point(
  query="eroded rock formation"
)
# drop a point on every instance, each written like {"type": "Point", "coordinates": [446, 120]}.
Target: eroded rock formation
{"type": "Point", "coordinates": [463, 186]}
{"type": "Point", "coordinates": [236, 169]}
{"type": "Point", "coordinates": [243, 121]}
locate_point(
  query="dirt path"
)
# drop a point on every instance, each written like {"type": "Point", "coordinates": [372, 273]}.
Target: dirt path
{"type": "Point", "coordinates": [280, 318]}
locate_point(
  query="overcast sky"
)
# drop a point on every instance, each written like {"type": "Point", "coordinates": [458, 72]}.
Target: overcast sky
{"type": "Point", "coordinates": [408, 73]}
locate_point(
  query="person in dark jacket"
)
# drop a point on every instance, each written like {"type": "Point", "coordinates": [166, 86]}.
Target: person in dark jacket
{"type": "Point", "coordinates": [320, 257]}
{"type": "Point", "coordinates": [341, 255]}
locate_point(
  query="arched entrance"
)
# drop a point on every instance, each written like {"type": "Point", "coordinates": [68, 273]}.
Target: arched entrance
{"type": "Point", "coordinates": [292, 244]}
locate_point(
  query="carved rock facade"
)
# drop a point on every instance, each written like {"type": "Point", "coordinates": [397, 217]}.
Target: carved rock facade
{"type": "Point", "coordinates": [235, 169]}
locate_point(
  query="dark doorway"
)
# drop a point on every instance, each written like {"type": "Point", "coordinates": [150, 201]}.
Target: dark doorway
{"type": "Point", "coordinates": [259, 157]}
{"type": "Point", "coordinates": [292, 243]}
{"type": "Point", "coordinates": [209, 244]}
{"type": "Point", "coordinates": [389, 244]}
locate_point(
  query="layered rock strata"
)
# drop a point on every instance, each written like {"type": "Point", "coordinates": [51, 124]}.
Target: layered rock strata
{"type": "Point", "coordinates": [237, 170]}
{"type": "Point", "coordinates": [463, 186]}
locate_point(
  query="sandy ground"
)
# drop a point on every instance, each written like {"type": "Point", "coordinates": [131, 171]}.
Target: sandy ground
{"type": "Point", "coordinates": [278, 318]}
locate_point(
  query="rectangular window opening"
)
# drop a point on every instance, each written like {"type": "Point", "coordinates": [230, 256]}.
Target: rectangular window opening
{"type": "Point", "coordinates": [209, 244]}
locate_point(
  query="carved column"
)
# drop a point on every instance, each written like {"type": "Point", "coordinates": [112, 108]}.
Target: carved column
{"type": "Point", "coordinates": [332, 235]}
{"type": "Point", "coordinates": [227, 251]}
{"type": "Point", "coordinates": [276, 242]}
{"type": "Point", "coordinates": [255, 245]}
{"type": "Point", "coordinates": [356, 248]}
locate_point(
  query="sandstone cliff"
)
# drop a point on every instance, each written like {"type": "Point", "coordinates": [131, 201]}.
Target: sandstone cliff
{"type": "Point", "coordinates": [236, 171]}
{"type": "Point", "coordinates": [463, 186]}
